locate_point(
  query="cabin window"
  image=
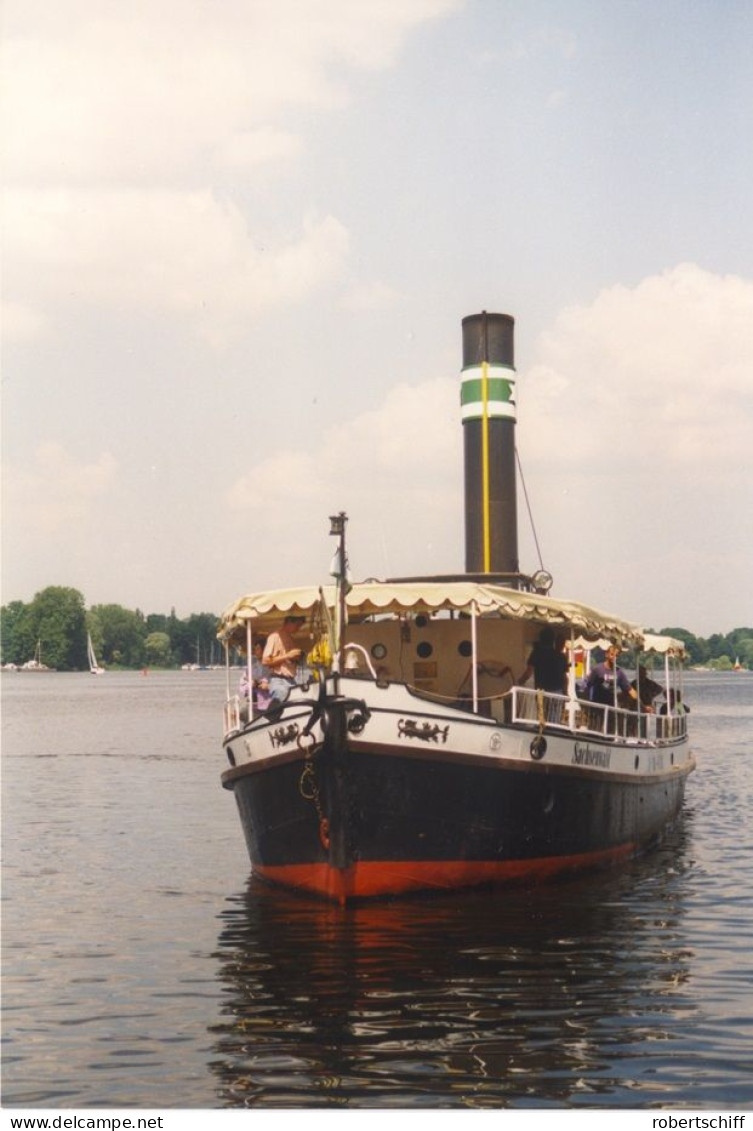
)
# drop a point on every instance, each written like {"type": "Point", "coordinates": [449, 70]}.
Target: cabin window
{"type": "Point", "coordinates": [424, 649]}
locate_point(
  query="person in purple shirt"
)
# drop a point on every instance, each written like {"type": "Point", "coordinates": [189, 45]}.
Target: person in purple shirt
{"type": "Point", "coordinates": [601, 680]}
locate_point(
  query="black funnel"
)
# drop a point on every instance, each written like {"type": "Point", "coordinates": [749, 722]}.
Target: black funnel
{"type": "Point", "coordinates": [488, 411]}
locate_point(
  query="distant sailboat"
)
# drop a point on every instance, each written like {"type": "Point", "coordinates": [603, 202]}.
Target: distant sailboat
{"type": "Point", "coordinates": [94, 667]}
{"type": "Point", "coordinates": [738, 666]}
{"type": "Point", "coordinates": [36, 664]}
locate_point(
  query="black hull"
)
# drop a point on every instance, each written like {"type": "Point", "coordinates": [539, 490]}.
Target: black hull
{"type": "Point", "coordinates": [364, 823]}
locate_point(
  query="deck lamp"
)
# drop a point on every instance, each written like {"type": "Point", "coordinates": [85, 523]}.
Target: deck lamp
{"type": "Point", "coordinates": [339, 564]}
{"type": "Point", "coordinates": [337, 524]}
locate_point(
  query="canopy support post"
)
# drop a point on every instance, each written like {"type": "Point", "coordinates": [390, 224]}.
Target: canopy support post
{"type": "Point", "coordinates": [474, 660]}
{"type": "Point", "coordinates": [572, 702]}
{"type": "Point", "coordinates": [249, 661]}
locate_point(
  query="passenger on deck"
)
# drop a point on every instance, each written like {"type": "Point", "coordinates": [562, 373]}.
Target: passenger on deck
{"type": "Point", "coordinates": [547, 664]}
{"type": "Point", "coordinates": [260, 673]}
{"type": "Point", "coordinates": [602, 678]}
{"type": "Point", "coordinates": [676, 705]}
{"type": "Point", "coordinates": [646, 688]}
{"type": "Point", "coordinates": [281, 656]}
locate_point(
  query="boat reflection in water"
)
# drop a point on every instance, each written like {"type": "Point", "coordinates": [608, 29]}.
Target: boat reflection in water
{"type": "Point", "coordinates": [559, 996]}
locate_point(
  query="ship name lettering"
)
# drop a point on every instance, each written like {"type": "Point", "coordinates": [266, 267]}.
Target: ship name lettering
{"type": "Point", "coordinates": [585, 755]}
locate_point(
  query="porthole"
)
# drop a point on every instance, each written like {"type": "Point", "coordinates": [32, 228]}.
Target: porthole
{"type": "Point", "coordinates": [424, 649]}
{"type": "Point", "coordinates": [378, 651]}
{"type": "Point", "coordinates": [421, 621]}
{"type": "Point", "coordinates": [465, 648]}
{"type": "Point", "coordinates": [637, 761]}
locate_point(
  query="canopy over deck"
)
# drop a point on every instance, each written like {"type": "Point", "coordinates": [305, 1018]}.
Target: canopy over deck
{"type": "Point", "coordinates": [373, 598]}
{"type": "Point", "coordinates": [663, 644]}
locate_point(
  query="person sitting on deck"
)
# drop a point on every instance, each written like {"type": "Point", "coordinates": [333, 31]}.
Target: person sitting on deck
{"type": "Point", "coordinates": [676, 705]}
{"type": "Point", "coordinates": [547, 664]}
{"type": "Point", "coordinates": [260, 695]}
{"type": "Point", "coordinates": [281, 656]}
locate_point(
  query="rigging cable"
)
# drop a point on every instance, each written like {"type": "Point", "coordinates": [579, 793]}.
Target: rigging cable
{"type": "Point", "coordinates": [528, 507]}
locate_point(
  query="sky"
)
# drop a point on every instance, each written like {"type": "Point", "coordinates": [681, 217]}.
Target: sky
{"type": "Point", "coordinates": [239, 241]}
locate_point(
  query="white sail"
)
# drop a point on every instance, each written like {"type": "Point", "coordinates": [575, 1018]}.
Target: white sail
{"type": "Point", "coordinates": [94, 667]}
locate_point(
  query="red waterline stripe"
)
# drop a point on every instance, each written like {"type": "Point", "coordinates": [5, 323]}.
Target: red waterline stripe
{"type": "Point", "coordinates": [398, 877]}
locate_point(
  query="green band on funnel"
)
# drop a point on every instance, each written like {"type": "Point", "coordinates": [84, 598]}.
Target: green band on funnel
{"type": "Point", "coordinates": [500, 392]}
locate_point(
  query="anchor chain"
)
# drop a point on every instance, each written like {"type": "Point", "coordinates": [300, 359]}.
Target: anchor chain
{"type": "Point", "coordinates": [307, 784]}
{"type": "Point", "coordinates": [309, 790]}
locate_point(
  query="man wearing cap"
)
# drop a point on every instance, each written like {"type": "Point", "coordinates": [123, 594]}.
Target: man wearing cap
{"type": "Point", "coordinates": [281, 656]}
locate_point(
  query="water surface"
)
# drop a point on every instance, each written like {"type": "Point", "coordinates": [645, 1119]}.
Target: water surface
{"type": "Point", "coordinates": [143, 968]}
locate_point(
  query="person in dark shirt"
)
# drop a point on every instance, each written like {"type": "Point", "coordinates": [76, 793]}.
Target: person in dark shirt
{"type": "Point", "coordinates": [547, 665]}
{"type": "Point", "coordinates": [647, 689]}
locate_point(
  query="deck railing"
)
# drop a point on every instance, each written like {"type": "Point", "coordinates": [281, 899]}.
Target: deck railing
{"type": "Point", "coordinates": [559, 712]}
{"type": "Point", "coordinates": [232, 715]}
{"type": "Point", "coordinates": [540, 708]}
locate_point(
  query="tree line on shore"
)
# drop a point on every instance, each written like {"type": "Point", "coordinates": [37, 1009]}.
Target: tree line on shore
{"type": "Point", "coordinates": [58, 622]}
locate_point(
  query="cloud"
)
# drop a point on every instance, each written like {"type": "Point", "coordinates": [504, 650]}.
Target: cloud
{"type": "Point", "coordinates": [187, 254]}
{"type": "Point", "coordinates": [21, 323]}
{"type": "Point", "coordinates": [556, 99]}
{"type": "Point", "coordinates": [397, 471]}
{"type": "Point", "coordinates": [122, 121]}
{"type": "Point", "coordinates": [244, 150]}
{"type": "Point", "coordinates": [56, 491]}
{"type": "Point", "coordinates": [635, 423]}
{"type": "Point", "coordinates": [99, 92]}
{"type": "Point", "coordinates": [370, 296]}
{"type": "Point", "coordinates": [652, 376]}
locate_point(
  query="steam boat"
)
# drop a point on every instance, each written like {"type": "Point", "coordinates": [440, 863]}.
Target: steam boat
{"type": "Point", "coordinates": [408, 755]}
